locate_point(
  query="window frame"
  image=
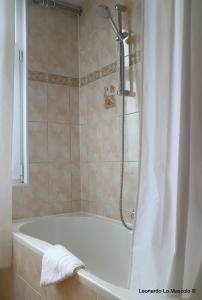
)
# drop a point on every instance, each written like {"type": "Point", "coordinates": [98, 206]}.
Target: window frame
{"type": "Point", "coordinates": [21, 25]}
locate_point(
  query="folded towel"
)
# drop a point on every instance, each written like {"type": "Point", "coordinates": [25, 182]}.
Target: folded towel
{"type": "Point", "coordinates": [58, 264]}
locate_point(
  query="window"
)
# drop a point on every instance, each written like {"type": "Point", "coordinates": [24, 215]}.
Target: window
{"type": "Point", "coordinates": [19, 142]}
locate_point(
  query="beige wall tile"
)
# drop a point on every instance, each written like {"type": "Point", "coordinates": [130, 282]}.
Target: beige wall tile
{"type": "Point", "coordinates": [108, 53]}
{"type": "Point", "coordinates": [95, 141]}
{"type": "Point", "coordinates": [75, 143]}
{"type": "Point", "coordinates": [28, 260]}
{"type": "Point", "coordinates": [83, 143]}
{"type": "Point", "coordinates": [111, 139]}
{"type": "Point", "coordinates": [52, 50]}
{"type": "Point", "coordinates": [103, 181]}
{"type": "Point", "coordinates": [89, 63]}
{"type": "Point", "coordinates": [76, 205]}
{"type": "Point", "coordinates": [18, 203]}
{"type": "Point", "coordinates": [38, 142]}
{"type": "Point", "coordinates": [62, 45]}
{"type": "Point", "coordinates": [111, 210]}
{"type": "Point", "coordinates": [22, 290]}
{"type": "Point", "coordinates": [101, 140]}
{"type": "Point", "coordinates": [92, 26]}
{"type": "Point", "coordinates": [74, 105]}
{"type": "Point", "coordinates": [93, 207]}
{"type": "Point", "coordinates": [35, 195]}
{"type": "Point", "coordinates": [18, 288]}
{"type": "Point", "coordinates": [37, 37]}
{"type": "Point", "coordinates": [58, 142]}
{"type": "Point", "coordinates": [111, 182]}
{"type": "Point", "coordinates": [84, 181]}
{"type": "Point", "coordinates": [75, 181]}
{"type": "Point", "coordinates": [17, 257]}
{"type": "Point", "coordinates": [83, 104]}
{"type": "Point", "coordinates": [34, 205]}
{"type": "Point", "coordinates": [59, 207]}
{"type": "Point", "coordinates": [85, 205]}
{"type": "Point", "coordinates": [95, 99]}
{"type": "Point", "coordinates": [88, 22]}
{"type": "Point", "coordinates": [111, 80]}
{"type": "Point", "coordinates": [58, 103]}
{"type": "Point", "coordinates": [31, 294]}
{"type": "Point", "coordinates": [59, 182]}
{"type": "Point", "coordinates": [37, 101]}
{"type": "Point", "coordinates": [95, 179]}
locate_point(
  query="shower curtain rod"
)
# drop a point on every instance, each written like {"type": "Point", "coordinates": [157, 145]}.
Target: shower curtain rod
{"type": "Point", "coordinates": [59, 4]}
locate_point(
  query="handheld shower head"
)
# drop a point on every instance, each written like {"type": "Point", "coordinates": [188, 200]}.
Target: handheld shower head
{"type": "Point", "coordinates": [104, 11]}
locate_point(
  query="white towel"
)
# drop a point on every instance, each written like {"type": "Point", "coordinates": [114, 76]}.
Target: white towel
{"type": "Point", "coordinates": [58, 264]}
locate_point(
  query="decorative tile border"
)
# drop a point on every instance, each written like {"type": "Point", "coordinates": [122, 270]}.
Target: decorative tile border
{"type": "Point", "coordinates": [105, 71]}
{"type": "Point", "coordinates": [64, 80]}
{"type": "Point", "coordinates": [110, 69]}
{"type": "Point", "coordinates": [37, 76]}
{"type": "Point", "coordinates": [134, 58]}
{"type": "Point", "coordinates": [53, 78]}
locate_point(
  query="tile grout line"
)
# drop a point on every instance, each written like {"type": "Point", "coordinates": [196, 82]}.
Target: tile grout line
{"type": "Point", "coordinates": [27, 283]}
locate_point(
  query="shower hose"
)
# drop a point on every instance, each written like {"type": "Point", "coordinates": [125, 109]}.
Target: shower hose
{"type": "Point", "coordinates": [122, 83]}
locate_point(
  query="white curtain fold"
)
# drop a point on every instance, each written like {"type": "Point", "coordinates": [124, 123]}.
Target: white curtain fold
{"type": "Point", "coordinates": [167, 249]}
{"type": "Point", "coordinates": [7, 40]}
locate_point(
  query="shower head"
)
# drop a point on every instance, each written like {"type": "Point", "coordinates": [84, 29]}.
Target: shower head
{"type": "Point", "coordinates": [104, 11]}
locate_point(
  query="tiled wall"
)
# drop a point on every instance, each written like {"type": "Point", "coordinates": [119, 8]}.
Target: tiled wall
{"type": "Point", "coordinates": [74, 140]}
{"type": "Point", "coordinates": [100, 131]}
{"type": "Point", "coordinates": [54, 162]}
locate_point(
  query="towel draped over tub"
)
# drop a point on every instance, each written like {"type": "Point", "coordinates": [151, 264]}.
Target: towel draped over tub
{"type": "Point", "coordinates": [58, 264]}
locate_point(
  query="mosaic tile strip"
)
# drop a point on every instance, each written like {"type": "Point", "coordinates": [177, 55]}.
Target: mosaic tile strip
{"type": "Point", "coordinates": [110, 69]}
{"type": "Point", "coordinates": [37, 76]}
{"type": "Point", "coordinates": [53, 78]}
{"type": "Point", "coordinates": [64, 80]}
{"type": "Point", "coordinates": [134, 58]}
{"type": "Point", "coordinates": [105, 71]}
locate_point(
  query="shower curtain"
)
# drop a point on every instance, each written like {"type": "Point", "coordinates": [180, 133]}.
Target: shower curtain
{"type": "Point", "coordinates": [7, 17]}
{"type": "Point", "coordinates": [167, 244]}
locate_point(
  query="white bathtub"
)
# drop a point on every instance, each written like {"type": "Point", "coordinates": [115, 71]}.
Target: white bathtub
{"type": "Point", "coordinates": [103, 245]}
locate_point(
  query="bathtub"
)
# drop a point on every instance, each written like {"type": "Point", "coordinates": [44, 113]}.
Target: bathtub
{"type": "Point", "coordinates": [101, 243]}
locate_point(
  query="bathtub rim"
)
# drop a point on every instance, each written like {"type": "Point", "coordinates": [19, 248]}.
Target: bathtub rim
{"type": "Point", "coordinates": [95, 283]}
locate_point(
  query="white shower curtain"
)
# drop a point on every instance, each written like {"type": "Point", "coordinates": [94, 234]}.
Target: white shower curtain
{"type": "Point", "coordinates": [7, 18]}
{"type": "Point", "coordinates": [167, 246]}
